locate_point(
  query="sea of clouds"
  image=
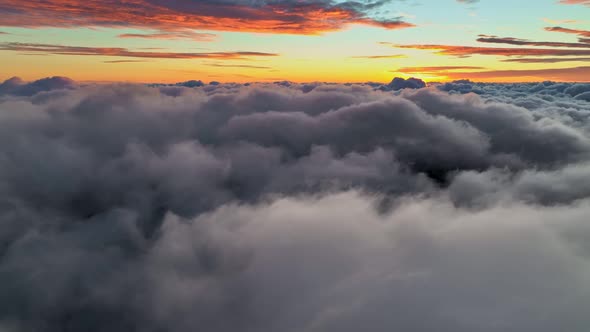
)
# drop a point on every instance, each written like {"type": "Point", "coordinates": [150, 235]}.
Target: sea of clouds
{"type": "Point", "coordinates": [458, 207]}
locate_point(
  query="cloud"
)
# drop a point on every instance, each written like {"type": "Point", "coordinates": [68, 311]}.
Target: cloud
{"type": "Point", "coordinates": [545, 60]}
{"type": "Point", "coordinates": [575, 2]}
{"type": "Point", "coordinates": [272, 16]}
{"type": "Point", "coordinates": [203, 37]}
{"type": "Point", "coordinates": [16, 86]}
{"type": "Point", "coordinates": [222, 65]}
{"type": "Point", "coordinates": [523, 42]}
{"type": "Point", "coordinates": [410, 83]}
{"type": "Point", "coordinates": [551, 21]}
{"type": "Point", "coordinates": [124, 61]}
{"type": "Point", "coordinates": [123, 52]}
{"type": "Point", "coordinates": [435, 69]}
{"type": "Point", "coordinates": [582, 33]}
{"type": "Point", "coordinates": [467, 51]}
{"type": "Point", "coordinates": [389, 56]}
{"type": "Point", "coordinates": [549, 54]}
{"type": "Point", "coordinates": [293, 207]}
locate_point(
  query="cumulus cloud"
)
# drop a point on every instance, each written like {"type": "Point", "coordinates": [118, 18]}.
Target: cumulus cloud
{"type": "Point", "coordinates": [293, 207]}
{"type": "Point", "coordinates": [16, 86]}
{"type": "Point", "coordinates": [399, 83]}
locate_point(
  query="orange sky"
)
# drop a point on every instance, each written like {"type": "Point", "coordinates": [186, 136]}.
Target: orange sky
{"type": "Point", "coordinates": [312, 40]}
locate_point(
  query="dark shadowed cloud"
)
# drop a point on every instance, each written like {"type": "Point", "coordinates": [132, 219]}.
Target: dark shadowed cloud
{"type": "Point", "coordinates": [524, 42]}
{"type": "Point", "coordinates": [581, 33]}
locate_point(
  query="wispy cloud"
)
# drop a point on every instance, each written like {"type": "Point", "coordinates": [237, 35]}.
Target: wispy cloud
{"type": "Point", "coordinates": [277, 16]}
{"type": "Point", "coordinates": [434, 69]}
{"type": "Point", "coordinates": [524, 42]}
{"type": "Point", "coordinates": [124, 61]}
{"type": "Point", "coordinates": [223, 65]}
{"type": "Point", "coordinates": [546, 60]}
{"type": "Point", "coordinates": [387, 56]}
{"type": "Point", "coordinates": [123, 52]}
{"type": "Point", "coordinates": [552, 21]}
{"type": "Point", "coordinates": [190, 35]}
{"type": "Point", "coordinates": [575, 2]}
{"type": "Point", "coordinates": [467, 51]}
{"type": "Point", "coordinates": [581, 33]}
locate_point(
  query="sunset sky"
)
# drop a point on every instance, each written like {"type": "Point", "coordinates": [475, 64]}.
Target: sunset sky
{"type": "Point", "coordinates": [296, 40]}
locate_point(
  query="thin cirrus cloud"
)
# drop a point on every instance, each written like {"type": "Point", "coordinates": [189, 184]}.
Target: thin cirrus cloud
{"type": "Point", "coordinates": [435, 69]}
{"type": "Point", "coordinates": [223, 65]}
{"type": "Point", "coordinates": [467, 51]}
{"type": "Point", "coordinates": [552, 21]}
{"type": "Point", "coordinates": [189, 35]}
{"type": "Point", "coordinates": [581, 33]}
{"type": "Point", "coordinates": [279, 16]}
{"type": "Point", "coordinates": [546, 60]}
{"type": "Point", "coordinates": [123, 52]}
{"type": "Point", "coordinates": [388, 56]}
{"type": "Point", "coordinates": [524, 42]}
{"type": "Point", "coordinates": [124, 61]}
{"type": "Point", "coordinates": [575, 2]}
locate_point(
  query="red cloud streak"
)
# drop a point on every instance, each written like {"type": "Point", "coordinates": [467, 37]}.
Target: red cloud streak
{"type": "Point", "coordinates": [581, 33]}
{"type": "Point", "coordinates": [575, 2]}
{"type": "Point", "coordinates": [288, 16]}
{"type": "Point", "coordinates": [466, 51]}
{"type": "Point", "coordinates": [123, 52]}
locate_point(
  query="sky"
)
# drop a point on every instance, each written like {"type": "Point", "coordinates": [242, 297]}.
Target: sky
{"type": "Point", "coordinates": [296, 40]}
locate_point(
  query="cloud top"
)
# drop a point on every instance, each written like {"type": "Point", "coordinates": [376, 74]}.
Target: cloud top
{"type": "Point", "coordinates": [294, 207]}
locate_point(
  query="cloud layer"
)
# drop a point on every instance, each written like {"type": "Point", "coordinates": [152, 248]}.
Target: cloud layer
{"type": "Point", "coordinates": [123, 52]}
{"type": "Point", "coordinates": [294, 207]}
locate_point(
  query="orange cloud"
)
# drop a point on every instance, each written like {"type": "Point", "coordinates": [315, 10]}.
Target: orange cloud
{"type": "Point", "coordinates": [124, 61]}
{"type": "Point", "coordinates": [575, 2]}
{"type": "Point", "coordinates": [123, 52]}
{"type": "Point", "coordinates": [582, 33]}
{"type": "Point", "coordinates": [435, 69]}
{"type": "Point", "coordinates": [390, 56]}
{"type": "Point", "coordinates": [223, 65]}
{"type": "Point", "coordinates": [191, 35]}
{"type": "Point", "coordinates": [284, 16]}
{"type": "Point", "coordinates": [466, 51]}
{"type": "Point", "coordinates": [546, 60]}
